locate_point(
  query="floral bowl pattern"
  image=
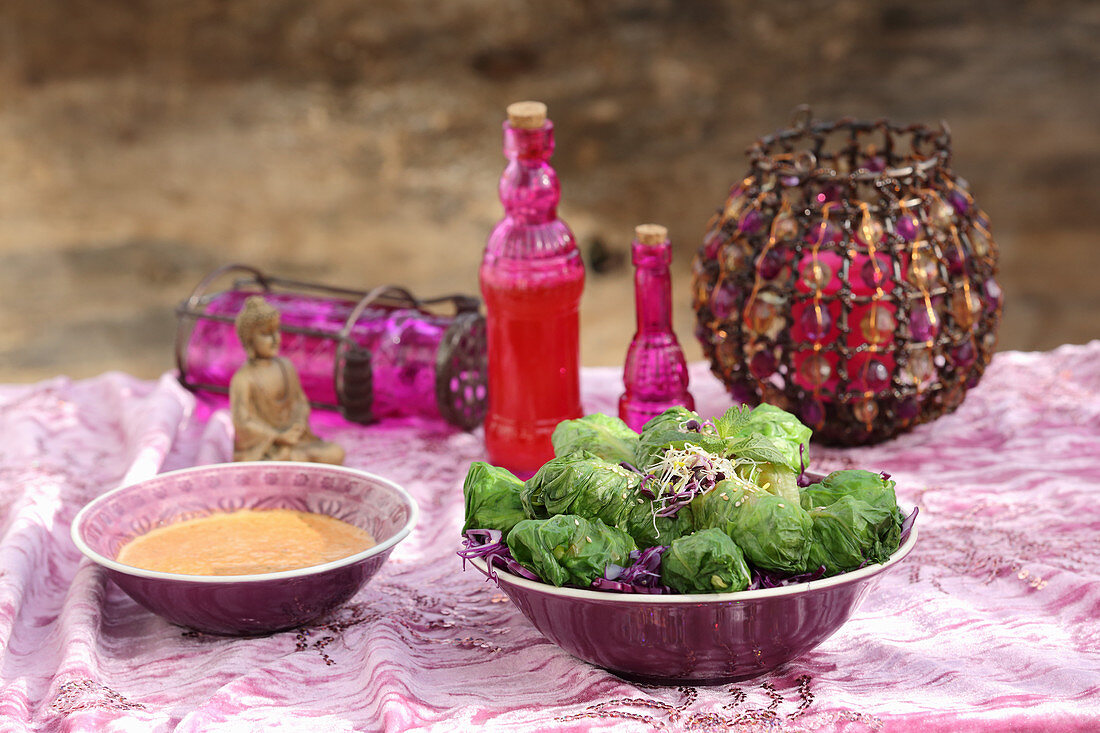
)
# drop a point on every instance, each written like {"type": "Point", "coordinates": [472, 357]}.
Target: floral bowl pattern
{"type": "Point", "coordinates": [710, 638]}
{"type": "Point", "coordinates": [246, 604]}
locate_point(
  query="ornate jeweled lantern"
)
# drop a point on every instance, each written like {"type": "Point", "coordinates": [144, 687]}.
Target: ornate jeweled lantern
{"type": "Point", "coordinates": [850, 279]}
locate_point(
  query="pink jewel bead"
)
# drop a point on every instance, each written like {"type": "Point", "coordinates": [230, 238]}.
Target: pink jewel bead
{"type": "Point", "coordinates": [908, 227]}
{"type": "Point", "coordinates": [959, 202]}
{"type": "Point", "coordinates": [813, 412]}
{"type": "Point", "coordinates": [771, 264]}
{"type": "Point", "coordinates": [822, 233]}
{"type": "Point", "coordinates": [992, 296]}
{"type": "Point", "coordinates": [875, 375]}
{"type": "Point", "coordinates": [763, 364]}
{"type": "Point", "coordinates": [816, 321]}
{"type": "Point", "coordinates": [724, 301]}
{"type": "Point", "coordinates": [876, 278]}
{"type": "Point", "coordinates": [963, 354]}
{"type": "Point", "coordinates": [922, 324]}
{"type": "Point", "coordinates": [752, 221]}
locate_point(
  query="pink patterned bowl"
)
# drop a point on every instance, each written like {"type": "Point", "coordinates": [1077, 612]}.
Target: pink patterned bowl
{"type": "Point", "coordinates": [246, 604]}
{"type": "Point", "coordinates": [709, 638]}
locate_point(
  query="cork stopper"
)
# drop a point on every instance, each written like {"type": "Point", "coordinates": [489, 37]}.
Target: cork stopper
{"type": "Point", "coordinates": [651, 234]}
{"type": "Point", "coordinates": [527, 115]}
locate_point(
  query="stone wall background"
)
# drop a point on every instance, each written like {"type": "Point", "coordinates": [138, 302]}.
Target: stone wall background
{"type": "Point", "coordinates": [145, 142]}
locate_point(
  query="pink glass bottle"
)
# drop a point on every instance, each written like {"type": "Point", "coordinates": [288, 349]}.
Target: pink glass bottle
{"type": "Point", "coordinates": [531, 278]}
{"type": "Point", "coordinates": [655, 375]}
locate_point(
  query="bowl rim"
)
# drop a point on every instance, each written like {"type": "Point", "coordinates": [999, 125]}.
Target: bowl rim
{"type": "Point", "coordinates": [381, 547]}
{"type": "Point", "coordinates": [708, 598]}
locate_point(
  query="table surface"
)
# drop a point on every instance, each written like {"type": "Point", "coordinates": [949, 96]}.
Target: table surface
{"type": "Point", "coordinates": [993, 623]}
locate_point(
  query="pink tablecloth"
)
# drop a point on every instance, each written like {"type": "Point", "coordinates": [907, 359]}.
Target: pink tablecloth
{"type": "Point", "coordinates": [992, 624]}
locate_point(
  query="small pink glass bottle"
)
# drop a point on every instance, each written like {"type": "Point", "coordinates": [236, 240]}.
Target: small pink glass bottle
{"type": "Point", "coordinates": [655, 375]}
{"type": "Point", "coordinates": [532, 277]}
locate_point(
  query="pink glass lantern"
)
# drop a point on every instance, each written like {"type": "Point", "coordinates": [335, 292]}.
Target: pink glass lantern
{"type": "Point", "coordinates": [370, 355]}
{"type": "Point", "coordinates": [849, 278]}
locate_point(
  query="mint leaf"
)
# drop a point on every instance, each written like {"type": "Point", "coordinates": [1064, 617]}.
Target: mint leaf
{"type": "Point", "coordinates": [756, 447]}
{"type": "Point", "coordinates": [734, 421]}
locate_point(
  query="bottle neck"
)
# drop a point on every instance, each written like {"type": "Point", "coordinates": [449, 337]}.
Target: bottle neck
{"type": "Point", "coordinates": [652, 286]}
{"type": "Point", "coordinates": [529, 187]}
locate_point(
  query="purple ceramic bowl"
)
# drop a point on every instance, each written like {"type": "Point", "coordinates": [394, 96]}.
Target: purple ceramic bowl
{"type": "Point", "coordinates": [709, 638]}
{"type": "Point", "coordinates": [246, 604]}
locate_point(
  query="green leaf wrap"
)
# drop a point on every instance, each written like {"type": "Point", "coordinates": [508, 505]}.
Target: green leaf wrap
{"type": "Point", "coordinates": [568, 548]}
{"type": "Point", "coordinates": [773, 532]}
{"type": "Point", "coordinates": [705, 562]}
{"type": "Point", "coordinates": [849, 533]}
{"type": "Point", "coordinates": [714, 509]}
{"type": "Point", "coordinates": [778, 479]}
{"type": "Point", "coordinates": [583, 484]}
{"type": "Point", "coordinates": [863, 485]}
{"type": "Point", "coordinates": [492, 498]}
{"type": "Point", "coordinates": [601, 435]}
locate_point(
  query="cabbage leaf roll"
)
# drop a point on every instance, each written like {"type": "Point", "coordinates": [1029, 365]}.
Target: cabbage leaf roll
{"type": "Point", "coordinates": [492, 498]}
{"type": "Point", "coordinates": [601, 435]}
{"type": "Point", "coordinates": [850, 533]}
{"type": "Point", "coordinates": [569, 549]}
{"type": "Point", "coordinates": [583, 484]}
{"type": "Point", "coordinates": [707, 561]}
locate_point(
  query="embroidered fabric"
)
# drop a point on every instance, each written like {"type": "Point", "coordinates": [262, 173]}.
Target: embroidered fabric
{"type": "Point", "coordinates": [991, 624]}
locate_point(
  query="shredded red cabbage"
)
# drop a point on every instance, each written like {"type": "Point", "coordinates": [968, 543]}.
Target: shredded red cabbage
{"type": "Point", "coordinates": [907, 525]}
{"type": "Point", "coordinates": [700, 483]}
{"type": "Point", "coordinates": [616, 586]}
{"type": "Point", "coordinates": [770, 579]}
{"type": "Point", "coordinates": [803, 480]}
{"type": "Point", "coordinates": [489, 545]}
{"type": "Point", "coordinates": [643, 575]}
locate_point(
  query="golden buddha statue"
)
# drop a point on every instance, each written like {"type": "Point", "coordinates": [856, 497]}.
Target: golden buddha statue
{"type": "Point", "coordinates": [270, 409]}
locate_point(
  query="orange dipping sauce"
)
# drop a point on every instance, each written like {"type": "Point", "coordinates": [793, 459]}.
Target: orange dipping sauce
{"type": "Point", "coordinates": [245, 542]}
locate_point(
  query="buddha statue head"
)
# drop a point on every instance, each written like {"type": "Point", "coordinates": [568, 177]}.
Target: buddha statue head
{"type": "Point", "coordinates": [258, 328]}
